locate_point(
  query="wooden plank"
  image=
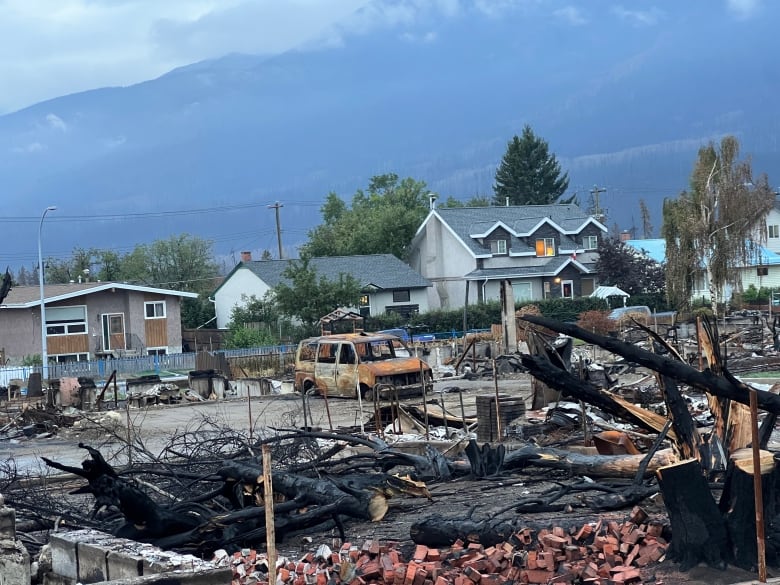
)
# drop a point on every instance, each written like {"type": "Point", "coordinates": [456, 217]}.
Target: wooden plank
{"type": "Point", "coordinates": [64, 344]}
{"type": "Point", "coordinates": [156, 332]}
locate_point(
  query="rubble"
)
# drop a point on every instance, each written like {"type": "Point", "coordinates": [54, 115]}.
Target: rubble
{"type": "Point", "coordinates": [597, 553]}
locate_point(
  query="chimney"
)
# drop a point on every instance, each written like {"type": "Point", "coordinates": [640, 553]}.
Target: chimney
{"type": "Point", "coordinates": [432, 200]}
{"type": "Point", "coordinates": [625, 235]}
{"type": "Point", "coordinates": [246, 256]}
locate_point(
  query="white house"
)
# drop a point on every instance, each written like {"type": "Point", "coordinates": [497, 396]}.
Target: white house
{"type": "Point", "coordinates": [388, 284]}
{"type": "Point", "coordinates": [545, 251]}
{"type": "Point", "coordinates": [762, 271]}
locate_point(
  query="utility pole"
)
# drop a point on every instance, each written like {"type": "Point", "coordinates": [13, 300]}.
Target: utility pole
{"type": "Point", "coordinates": [596, 211]}
{"type": "Point", "coordinates": [276, 206]}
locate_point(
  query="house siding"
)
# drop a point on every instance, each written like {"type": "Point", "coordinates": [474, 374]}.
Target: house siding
{"type": "Point", "coordinates": [242, 282]}
{"type": "Point", "coordinates": [382, 300]}
{"type": "Point", "coordinates": [20, 329]}
{"type": "Point", "coordinates": [443, 260]}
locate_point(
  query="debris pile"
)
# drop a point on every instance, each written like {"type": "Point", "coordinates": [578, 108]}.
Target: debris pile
{"type": "Point", "coordinates": [599, 553]}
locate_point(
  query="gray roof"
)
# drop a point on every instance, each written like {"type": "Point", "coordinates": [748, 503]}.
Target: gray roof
{"type": "Point", "coordinates": [549, 268]}
{"type": "Point", "coordinates": [383, 271]}
{"type": "Point", "coordinates": [520, 220]}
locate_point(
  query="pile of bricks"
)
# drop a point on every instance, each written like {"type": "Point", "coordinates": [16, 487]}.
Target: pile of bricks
{"type": "Point", "coordinates": [599, 553]}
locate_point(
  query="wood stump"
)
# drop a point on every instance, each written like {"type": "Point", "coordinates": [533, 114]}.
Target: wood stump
{"type": "Point", "coordinates": [739, 506]}
{"type": "Point", "coordinates": [699, 532]}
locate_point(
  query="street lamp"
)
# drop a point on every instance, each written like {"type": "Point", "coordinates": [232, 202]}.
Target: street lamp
{"type": "Point", "coordinates": [44, 355]}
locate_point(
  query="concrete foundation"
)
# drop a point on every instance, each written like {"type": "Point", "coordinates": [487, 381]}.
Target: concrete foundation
{"type": "Point", "coordinates": [91, 556]}
{"type": "Point", "coordinates": [14, 559]}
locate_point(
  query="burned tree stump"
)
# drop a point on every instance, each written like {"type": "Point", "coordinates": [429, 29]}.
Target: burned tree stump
{"type": "Point", "coordinates": [699, 532]}
{"type": "Point", "coordinates": [738, 503]}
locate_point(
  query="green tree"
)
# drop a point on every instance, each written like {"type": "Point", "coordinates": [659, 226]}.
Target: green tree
{"type": "Point", "coordinates": [529, 174]}
{"type": "Point", "coordinates": [716, 225]}
{"type": "Point", "coordinates": [382, 219]}
{"type": "Point", "coordinates": [253, 322]}
{"type": "Point", "coordinates": [310, 296]}
{"type": "Point", "coordinates": [476, 201]}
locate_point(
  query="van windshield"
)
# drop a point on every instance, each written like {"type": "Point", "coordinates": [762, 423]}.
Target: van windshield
{"type": "Point", "coordinates": [375, 350]}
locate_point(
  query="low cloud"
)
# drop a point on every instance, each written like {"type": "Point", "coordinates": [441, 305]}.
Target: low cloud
{"type": "Point", "coordinates": [743, 9]}
{"type": "Point", "coordinates": [54, 121]}
{"type": "Point", "coordinates": [649, 17]}
{"type": "Point", "coordinates": [571, 15]}
{"type": "Point", "coordinates": [31, 148]}
{"type": "Point", "coordinates": [423, 38]}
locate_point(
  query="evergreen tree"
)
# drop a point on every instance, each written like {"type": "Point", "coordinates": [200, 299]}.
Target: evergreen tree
{"type": "Point", "coordinates": [529, 174]}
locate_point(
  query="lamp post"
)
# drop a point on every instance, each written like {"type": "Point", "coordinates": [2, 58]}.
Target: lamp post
{"type": "Point", "coordinates": [44, 355]}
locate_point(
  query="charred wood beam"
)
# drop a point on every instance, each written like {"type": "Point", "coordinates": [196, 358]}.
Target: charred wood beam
{"type": "Point", "coordinates": [622, 466]}
{"type": "Point", "coordinates": [706, 381]}
{"type": "Point", "coordinates": [541, 368]}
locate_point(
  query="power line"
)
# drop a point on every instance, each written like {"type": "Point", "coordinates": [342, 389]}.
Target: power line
{"type": "Point", "coordinates": [149, 214]}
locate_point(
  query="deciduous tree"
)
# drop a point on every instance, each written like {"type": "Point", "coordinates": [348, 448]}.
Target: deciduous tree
{"type": "Point", "coordinates": [382, 219]}
{"type": "Point", "coordinates": [529, 174]}
{"type": "Point", "coordinates": [622, 266]}
{"type": "Point", "coordinates": [716, 226]}
{"type": "Point", "coordinates": [309, 295]}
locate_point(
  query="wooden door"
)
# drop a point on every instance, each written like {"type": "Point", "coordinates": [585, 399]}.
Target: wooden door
{"type": "Point", "coordinates": [114, 331]}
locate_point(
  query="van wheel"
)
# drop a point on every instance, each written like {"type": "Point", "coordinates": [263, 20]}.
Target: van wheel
{"type": "Point", "coordinates": [366, 393]}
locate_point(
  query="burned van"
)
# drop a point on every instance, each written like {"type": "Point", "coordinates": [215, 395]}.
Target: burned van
{"type": "Point", "coordinates": [343, 365]}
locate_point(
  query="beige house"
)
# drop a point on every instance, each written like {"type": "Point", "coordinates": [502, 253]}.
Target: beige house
{"type": "Point", "coordinates": [91, 320]}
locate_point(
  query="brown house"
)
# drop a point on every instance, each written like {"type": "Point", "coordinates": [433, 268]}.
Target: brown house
{"type": "Point", "coordinates": [91, 320]}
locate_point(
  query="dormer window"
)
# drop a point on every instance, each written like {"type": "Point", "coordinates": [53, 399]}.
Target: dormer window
{"type": "Point", "coordinates": [590, 242]}
{"type": "Point", "coordinates": [498, 246]}
{"type": "Point", "coordinates": [545, 247]}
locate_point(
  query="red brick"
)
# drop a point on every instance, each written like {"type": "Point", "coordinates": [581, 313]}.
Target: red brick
{"type": "Point", "coordinates": [433, 555]}
{"type": "Point", "coordinates": [411, 571]}
{"type": "Point", "coordinates": [420, 576]}
{"type": "Point", "coordinates": [441, 580]}
{"type": "Point", "coordinates": [536, 576]}
{"type": "Point", "coordinates": [420, 552]}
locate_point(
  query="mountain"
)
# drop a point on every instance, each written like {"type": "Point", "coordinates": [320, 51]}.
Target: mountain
{"type": "Point", "coordinates": [625, 98]}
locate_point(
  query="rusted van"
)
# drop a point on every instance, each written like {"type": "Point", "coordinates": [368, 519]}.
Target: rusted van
{"type": "Point", "coordinates": [342, 365]}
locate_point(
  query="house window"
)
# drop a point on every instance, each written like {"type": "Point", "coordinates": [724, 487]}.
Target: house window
{"type": "Point", "coordinates": [69, 357]}
{"type": "Point", "coordinates": [401, 296]}
{"type": "Point", "coordinates": [405, 311]}
{"type": "Point", "coordinates": [155, 310]}
{"type": "Point", "coordinates": [66, 320]}
{"type": "Point", "coordinates": [116, 325]}
{"type": "Point", "coordinates": [762, 271]}
{"type": "Point", "coordinates": [523, 291]}
{"type": "Point", "coordinates": [498, 246]}
{"type": "Point", "coordinates": [365, 306]}
{"type": "Point", "coordinates": [590, 242]}
{"type": "Point", "coordinates": [156, 350]}
{"type": "Point", "coordinates": [773, 231]}
{"type": "Point", "coordinates": [545, 247]}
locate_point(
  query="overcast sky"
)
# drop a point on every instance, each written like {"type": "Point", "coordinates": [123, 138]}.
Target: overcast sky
{"type": "Point", "coordinates": [50, 48]}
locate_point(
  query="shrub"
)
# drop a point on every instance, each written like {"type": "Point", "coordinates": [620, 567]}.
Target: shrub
{"type": "Point", "coordinates": [597, 322]}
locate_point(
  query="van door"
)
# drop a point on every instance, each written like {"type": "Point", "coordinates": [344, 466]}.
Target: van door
{"type": "Point", "coordinates": [325, 368]}
{"type": "Point", "coordinates": [347, 371]}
